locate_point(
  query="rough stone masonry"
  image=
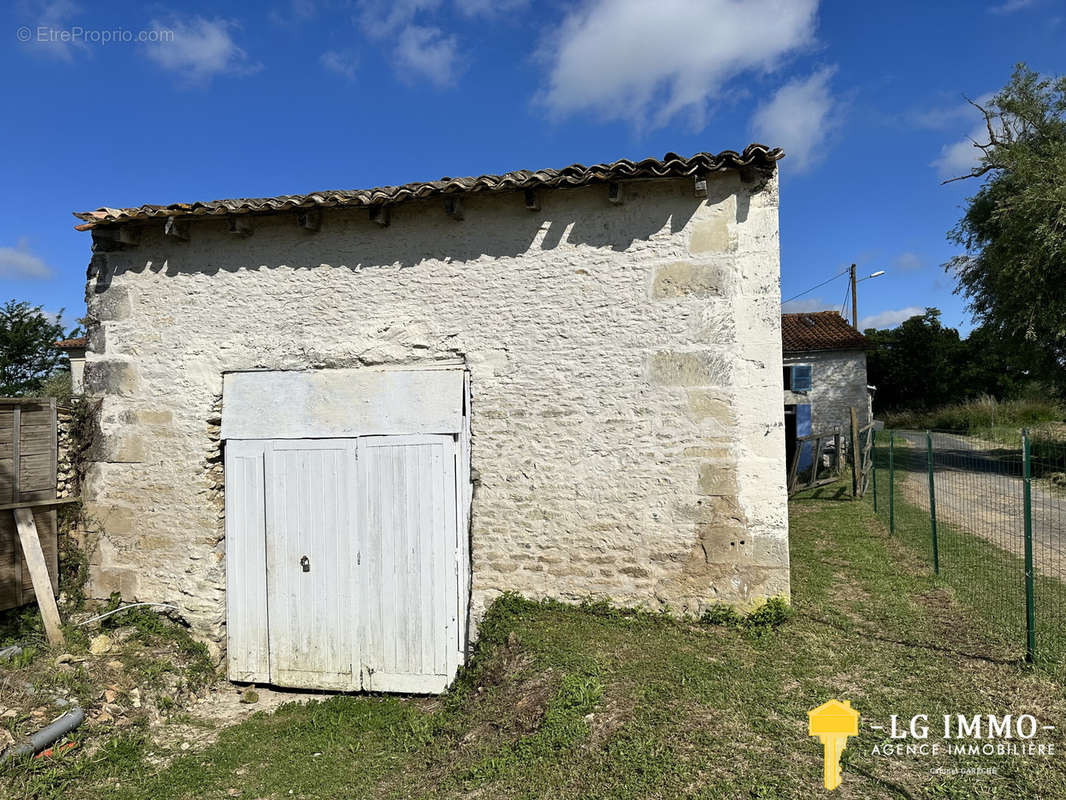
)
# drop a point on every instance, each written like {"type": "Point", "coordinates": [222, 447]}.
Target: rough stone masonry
{"type": "Point", "coordinates": [625, 362]}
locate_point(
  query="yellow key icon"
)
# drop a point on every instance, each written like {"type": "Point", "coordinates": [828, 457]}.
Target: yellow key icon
{"type": "Point", "coordinates": [833, 722]}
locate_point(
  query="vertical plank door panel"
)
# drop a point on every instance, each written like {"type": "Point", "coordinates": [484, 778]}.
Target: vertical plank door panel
{"type": "Point", "coordinates": [408, 507]}
{"type": "Point", "coordinates": [246, 596]}
{"type": "Point", "coordinates": [310, 537]}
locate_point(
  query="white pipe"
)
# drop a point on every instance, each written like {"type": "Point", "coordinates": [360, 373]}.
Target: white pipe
{"type": "Point", "coordinates": [123, 608]}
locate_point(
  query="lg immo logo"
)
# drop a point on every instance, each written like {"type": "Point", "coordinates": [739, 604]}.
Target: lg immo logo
{"type": "Point", "coordinates": [833, 723]}
{"type": "Point", "coordinates": [997, 735]}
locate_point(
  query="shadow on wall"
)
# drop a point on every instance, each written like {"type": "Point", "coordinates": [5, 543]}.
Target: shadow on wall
{"type": "Point", "coordinates": [494, 226]}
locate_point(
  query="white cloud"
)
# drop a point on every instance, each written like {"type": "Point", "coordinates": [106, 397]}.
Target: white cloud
{"type": "Point", "coordinates": [341, 63]}
{"type": "Point", "coordinates": [1010, 6]}
{"type": "Point", "coordinates": [805, 305]}
{"type": "Point", "coordinates": [798, 118]}
{"type": "Point", "coordinates": [295, 11]}
{"type": "Point", "coordinates": [200, 49]}
{"type": "Point", "coordinates": [427, 53]}
{"type": "Point", "coordinates": [51, 15]}
{"type": "Point", "coordinates": [959, 158]}
{"type": "Point", "coordinates": [473, 8]}
{"type": "Point", "coordinates": [907, 261]}
{"type": "Point", "coordinates": [19, 262]}
{"type": "Point", "coordinates": [890, 318]}
{"type": "Point", "coordinates": [381, 18]}
{"type": "Point", "coordinates": [646, 62]}
{"type": "Point", "coordinates": [419, 52]}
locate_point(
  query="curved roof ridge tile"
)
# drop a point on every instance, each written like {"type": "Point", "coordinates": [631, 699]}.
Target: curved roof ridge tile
{"type": "Point", "coordinates": [670, 165]}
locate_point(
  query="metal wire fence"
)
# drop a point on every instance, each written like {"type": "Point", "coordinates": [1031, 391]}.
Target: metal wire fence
{"type": "Point", "coordinates": [988, 511]}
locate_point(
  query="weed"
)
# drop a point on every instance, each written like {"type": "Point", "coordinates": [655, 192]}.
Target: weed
{"type": "Point", "coordinates": [73, 562]}
{"type": "Point", "coordinates": [759, 622]}
{"type": "Point", "coordinates": [722, 614]}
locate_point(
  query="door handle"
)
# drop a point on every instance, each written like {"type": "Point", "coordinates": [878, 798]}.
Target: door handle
{"type": "Point", "coordinates": [305, 564]}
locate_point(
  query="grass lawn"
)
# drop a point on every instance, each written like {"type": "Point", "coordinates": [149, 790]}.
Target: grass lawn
{"type": "Point", "coordinates": [594, 703]}
{"type": "Point", "coordinates": [985, 576]}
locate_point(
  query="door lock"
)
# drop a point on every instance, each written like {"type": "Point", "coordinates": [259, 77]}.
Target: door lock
{"type": "Point", "coordinates": [305, 564]}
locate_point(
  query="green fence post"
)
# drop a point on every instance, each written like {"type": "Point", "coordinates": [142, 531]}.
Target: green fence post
{"type": "Point", "coordinates": [891, 483]}
{"type": "Point", "coordinates": [1030, 610]}
{"type": "Point", "coordinates": [932, 500]}
{"type": "Point", "coordinates": [873, 464]}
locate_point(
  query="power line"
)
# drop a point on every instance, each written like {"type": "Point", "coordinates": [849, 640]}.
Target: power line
{"type": "Point", "coordinates": [823, 283]}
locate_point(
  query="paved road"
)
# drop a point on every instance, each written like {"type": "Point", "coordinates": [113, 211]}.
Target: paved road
{"type": "Point", "coordinates": [979, 489]}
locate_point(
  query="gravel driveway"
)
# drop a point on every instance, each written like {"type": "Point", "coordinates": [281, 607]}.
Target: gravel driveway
{"type": "Point", "coordinates": [979, 489]}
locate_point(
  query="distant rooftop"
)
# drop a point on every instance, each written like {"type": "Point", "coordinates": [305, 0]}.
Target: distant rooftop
{"type": "Point", "coordinates": [819, 330]}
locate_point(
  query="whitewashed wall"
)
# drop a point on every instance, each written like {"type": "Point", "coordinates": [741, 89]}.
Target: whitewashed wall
{"type": "Point", "coordinates": [625, 376]}
{"type": "Point", "coordinates": [838, 383]}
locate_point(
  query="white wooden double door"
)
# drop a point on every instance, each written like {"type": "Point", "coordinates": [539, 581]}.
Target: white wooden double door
{"type": "Point", "coordinates": [343, 561]}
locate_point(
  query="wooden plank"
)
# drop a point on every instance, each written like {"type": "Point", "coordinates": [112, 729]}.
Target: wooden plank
{"type": "Point", "coordinates": [16, 454]}
{"type": "Point", "coordinates": [246, 574]}
{"type": "Point", "coordinates": [48, 503]}
{"type": "Point", "coordinates": [23, 401]}
{"type": "Point", "coordinates": [45, 519]}
{"type": "Point", "coordinates": [42, 583]}
{"type": "Point", "coordinates": [793, 470]}
{"type": "Point", "coordinates": [54, 442]}
{"type": "Point", "coordinates": [408, 516]}
{"type": "Point", "coordinates": [10, 559]}
{"type": "Point", "coordinates": [36, 475]}
{"type": "Point", "coordinates": [310, 492]}
{"type": "Point", "coordinates": [854, 453]}
{"type": "Point", "coordinates": [341, 403]}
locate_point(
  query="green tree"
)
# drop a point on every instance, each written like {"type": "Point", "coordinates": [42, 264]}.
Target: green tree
{"type": "Point", "coordinates": [916, 364]}
{"type": "Point", "coordinates": [1013, 268]}
{"type": "Point", "coordinates": [28, 354]}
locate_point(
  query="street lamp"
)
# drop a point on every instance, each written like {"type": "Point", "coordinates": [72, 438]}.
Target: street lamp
{"type": "Point", "coordinates": [855, 294]}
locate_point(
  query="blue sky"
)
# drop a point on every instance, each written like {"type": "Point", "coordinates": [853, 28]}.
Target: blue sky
{"type": "Point", "coordinates": [292, 96]}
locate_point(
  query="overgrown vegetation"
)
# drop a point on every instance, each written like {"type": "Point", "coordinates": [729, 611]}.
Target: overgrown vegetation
{"type": "Point", "coordinates": [980, 414]}
{"type": "Point", "coordinates": [599, 702]}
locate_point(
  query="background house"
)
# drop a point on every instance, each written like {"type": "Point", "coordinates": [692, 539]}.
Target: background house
{"type": "Point", "coordinates": [824, 363]}
{"type": "Point", "coordinates": [562, 383]}
{"type": "Point", "coordinates": [75, 350]}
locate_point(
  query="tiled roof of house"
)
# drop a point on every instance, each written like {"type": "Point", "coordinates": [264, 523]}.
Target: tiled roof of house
{"type": "Point", "coordinates": [818, 330]}
{"type": "Point", "coordinates": [669, 166]}
{"type": "Point", "coordinates": [72, 344]}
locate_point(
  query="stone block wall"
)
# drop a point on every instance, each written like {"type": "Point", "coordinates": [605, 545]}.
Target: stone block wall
{"type": "Point", "coordinates": [625, 375]}
{"type": "Point", "coordinates": [65, 477]}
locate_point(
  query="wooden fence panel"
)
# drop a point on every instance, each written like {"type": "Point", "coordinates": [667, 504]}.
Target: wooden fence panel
{"type": "Point", "coordinates": [28, 454]}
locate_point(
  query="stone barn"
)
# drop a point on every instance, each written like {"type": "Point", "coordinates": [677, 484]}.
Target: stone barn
{"type": "Point", "coordinates": [334, 426]}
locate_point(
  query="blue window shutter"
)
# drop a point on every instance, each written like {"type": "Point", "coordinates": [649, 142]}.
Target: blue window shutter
{"type": "Point", "coordinates": [803, 428]}
{"type": "Point", "coordinates": [801, 378]}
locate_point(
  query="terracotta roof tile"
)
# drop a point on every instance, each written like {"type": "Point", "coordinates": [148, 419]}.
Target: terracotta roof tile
{"type": "Point", "coordinates": [669, 166]}
{"type": "Point", "coordinates": [70, 344]}
{"type": "Point", "coordinates": [819, 330]}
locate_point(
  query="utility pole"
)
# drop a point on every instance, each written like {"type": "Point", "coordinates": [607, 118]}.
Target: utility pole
{"type": "Point", "coordinates": [854, 301]}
